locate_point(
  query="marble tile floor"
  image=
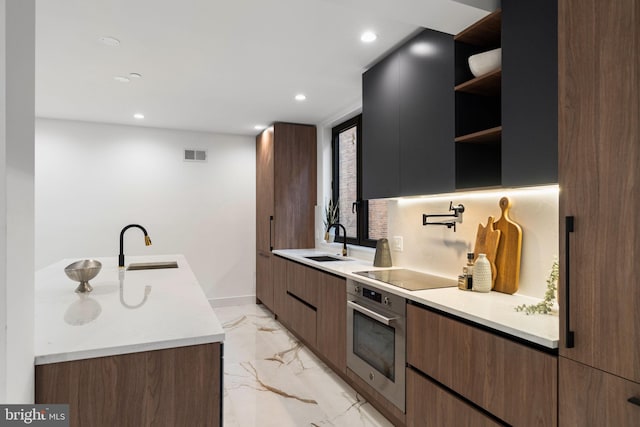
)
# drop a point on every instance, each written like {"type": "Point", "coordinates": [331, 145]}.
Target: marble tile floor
{"type": "Point", "coordinates": [271, 379]}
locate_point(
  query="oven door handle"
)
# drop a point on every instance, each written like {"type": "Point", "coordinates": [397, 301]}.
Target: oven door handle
{"type": "Point", "coordinates": [377, 316]}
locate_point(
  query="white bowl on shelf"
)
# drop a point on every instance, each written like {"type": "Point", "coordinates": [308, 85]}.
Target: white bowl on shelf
{"type": "Point", "coordinates": [485, 62]}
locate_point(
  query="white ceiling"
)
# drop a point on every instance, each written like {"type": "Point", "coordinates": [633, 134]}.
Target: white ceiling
{"type": "Point", "coordinates": [219, 66]}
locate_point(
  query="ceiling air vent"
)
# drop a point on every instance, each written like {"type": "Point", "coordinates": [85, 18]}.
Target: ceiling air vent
{"type": "Point", "coordinates": [195, 155]}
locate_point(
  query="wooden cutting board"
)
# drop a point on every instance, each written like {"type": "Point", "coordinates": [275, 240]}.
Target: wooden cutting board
{"type": "Point", "coordinates": [487, 240]}
{"type": "Point", "coordinates": [509, 251]}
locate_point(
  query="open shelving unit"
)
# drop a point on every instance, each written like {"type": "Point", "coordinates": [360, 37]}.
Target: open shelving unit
{"type": "Point", "coordinates": [485, 85]}
{"type": "Point", "coordinates": [478, 107]}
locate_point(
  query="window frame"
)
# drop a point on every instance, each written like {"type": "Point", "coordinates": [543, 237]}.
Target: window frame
{"type": "Point", "coordinates": [361, 206]}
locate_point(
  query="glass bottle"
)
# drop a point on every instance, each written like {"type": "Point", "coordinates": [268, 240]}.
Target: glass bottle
{"type": "Point", "coordinates": [469, 272]}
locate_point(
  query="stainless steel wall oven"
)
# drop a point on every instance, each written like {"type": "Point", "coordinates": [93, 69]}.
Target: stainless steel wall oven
{"type": "Point", "coordinates": [376, 330]}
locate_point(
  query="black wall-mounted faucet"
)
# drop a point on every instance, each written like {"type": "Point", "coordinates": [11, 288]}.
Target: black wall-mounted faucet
{"type": "Point", "coordinates": [344, 242]}
{"type": "Point", "coordinates": [457, 217]}
{"type": "Point", "coordinates": [147, 242]}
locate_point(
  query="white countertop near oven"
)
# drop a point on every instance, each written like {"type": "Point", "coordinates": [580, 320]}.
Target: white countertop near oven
{"type": "Point", "coordinates": [494, 310]}
{"type": "Point", "coordinates": [112, 319]}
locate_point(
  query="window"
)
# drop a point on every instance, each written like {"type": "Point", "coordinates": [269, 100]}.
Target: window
{"type": "Point", "coordinates": [365, 221]}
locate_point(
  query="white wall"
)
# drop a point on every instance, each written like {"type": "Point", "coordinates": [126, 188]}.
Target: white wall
{"type": "Point", "coordinates": [17, 98]}
{"type": "Point", "coordinates": [92, 179]}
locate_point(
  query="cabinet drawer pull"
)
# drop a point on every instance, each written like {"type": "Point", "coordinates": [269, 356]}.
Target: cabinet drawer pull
{"type": "Point", "coordinates": [270, 232]}
{"type": "Point", "coordinates": [634, 400]}
{"type": "Point", "coordinates": [568, 334]}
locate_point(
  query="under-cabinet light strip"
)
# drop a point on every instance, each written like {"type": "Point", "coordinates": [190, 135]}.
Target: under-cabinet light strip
{"type": "Point", "coordinates": [484, 194]}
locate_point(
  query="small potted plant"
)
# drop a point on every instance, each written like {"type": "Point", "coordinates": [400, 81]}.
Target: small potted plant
{"type": "Point", "coordinates": [331, 216]}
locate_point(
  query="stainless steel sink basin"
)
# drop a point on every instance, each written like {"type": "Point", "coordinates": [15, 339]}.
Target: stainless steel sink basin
{"type": "Point", "coordinates": [325, 258]}
{"type": "Point", "coordinates": [152, 265]}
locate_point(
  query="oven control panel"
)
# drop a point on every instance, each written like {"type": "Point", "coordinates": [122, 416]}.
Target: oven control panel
{"type": "Point", "coordinates": [375, 296]}
{"type": "Point", "coordinates": [372, 295]}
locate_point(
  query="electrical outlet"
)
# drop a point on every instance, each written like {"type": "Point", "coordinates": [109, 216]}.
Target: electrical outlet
{"type": "Point", "coordinates": [397, 243]}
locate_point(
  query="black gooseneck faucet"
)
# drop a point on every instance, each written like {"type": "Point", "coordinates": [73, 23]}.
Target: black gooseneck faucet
{"type": "Point", "coordinates": [147, 242]}
{"type": "Point", "coordinates": [344, 231]}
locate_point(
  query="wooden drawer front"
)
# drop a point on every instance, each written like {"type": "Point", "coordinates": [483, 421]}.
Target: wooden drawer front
{"type": "Point", "coordinates": [303, 282]}
{"type": "Point", "coordinates": [515, 383]}
{"type": "Point", "coordinates": [332, 320]}
{"type": "Point", "coordinates": [302, 319]}
{"type": "Point", "coordinates": [590, 397]}
{"type": "Point", "coordinates": [430, 405]}
{"type": "Point", "coordinates": [171, 387]}
{"type": "Point", "coordinates": [264, 279]}
{"type": "Point", "coordinates": [279, 269]}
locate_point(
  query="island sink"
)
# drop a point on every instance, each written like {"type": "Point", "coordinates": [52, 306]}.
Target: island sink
{"type": "Point", "coordinates": [152, 265]}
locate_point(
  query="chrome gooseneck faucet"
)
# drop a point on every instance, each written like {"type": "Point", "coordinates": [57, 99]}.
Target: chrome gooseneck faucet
{"type": "Point", "coordinates": [344, 231]}
{"type": "Point", "coordinates": [147, 242]}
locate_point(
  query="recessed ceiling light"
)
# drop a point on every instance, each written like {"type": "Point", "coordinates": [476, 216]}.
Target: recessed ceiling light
{"type": "Point", "coordinates": [301, 97]}
{"type": "Point", "coordinates": [109, 41]}
{"type": "Point", "coordinates": [121, 79]}
{"type": "Point", "coordinates": [259, 127]}
{"type": "Point", "coordinates": [138, 116]}
{"type": "Point", "coordinates": [368, 36]}
{"type": "Point", "coordinates": [135, 75]}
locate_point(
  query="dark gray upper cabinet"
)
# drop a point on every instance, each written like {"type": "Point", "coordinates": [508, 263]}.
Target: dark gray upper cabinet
{"type": "Point", "coordinates": [380, 129]}
{"type": "Point", "coordinates": [408, 120]}
{"type": "Point", "coordinates": [529, 92]}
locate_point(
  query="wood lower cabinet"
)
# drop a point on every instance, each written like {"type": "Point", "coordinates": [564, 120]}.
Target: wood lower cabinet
{"type": "Point", "coordinates": [303, 282]}
{"type": "Point", "coordinates": [279, 271]}
{"type": "Point", "coordinates": [264, 279]}
{"type": "Point", "coordinates": [302, 301]}
{"type": "Point", "coordinates": [429, 405]}
{"type": "Point", "coordinates": [514, 382]}
{"type": "Point", "coordinates": [332, 320]}
{"type": "Point", "coordinates": [302, 319]}
{"type": "Point", "coordinates": [312, 304]}
{"type": "Point", "coordinates": [172, 387]}
{"type": "Point", "coordinates": [591, 397]}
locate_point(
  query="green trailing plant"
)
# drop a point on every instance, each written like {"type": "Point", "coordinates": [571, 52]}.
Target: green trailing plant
{"type": "Point", "coordinates": [546, 305]}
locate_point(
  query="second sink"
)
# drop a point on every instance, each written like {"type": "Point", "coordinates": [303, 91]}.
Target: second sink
{"type": "Point", "coordinates": [325, 258]}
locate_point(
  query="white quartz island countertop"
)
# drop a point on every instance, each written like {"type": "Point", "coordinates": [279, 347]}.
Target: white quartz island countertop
{"type": "Point", "coordinates": [127, 311]}
{"type": "Point", "coordinates": [493, 310]}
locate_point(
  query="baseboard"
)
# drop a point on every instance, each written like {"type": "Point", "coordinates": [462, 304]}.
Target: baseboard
{"type": "Point", "coordinates": [230, 301]}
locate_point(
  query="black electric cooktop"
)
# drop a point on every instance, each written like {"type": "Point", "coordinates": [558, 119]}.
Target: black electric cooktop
{"type": "Point", "coordinates": [409, 279]}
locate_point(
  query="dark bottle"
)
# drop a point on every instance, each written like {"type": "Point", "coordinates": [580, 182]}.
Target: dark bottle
{"type": "Point", "coordinates": [469, 272]}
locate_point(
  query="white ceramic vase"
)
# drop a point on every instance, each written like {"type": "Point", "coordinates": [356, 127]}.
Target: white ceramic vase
{"type": "Point", "coordinates": [482, 274]}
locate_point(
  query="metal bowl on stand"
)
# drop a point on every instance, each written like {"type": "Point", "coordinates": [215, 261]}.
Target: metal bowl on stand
{"type": "Point", "coordinates": [82, 271]}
